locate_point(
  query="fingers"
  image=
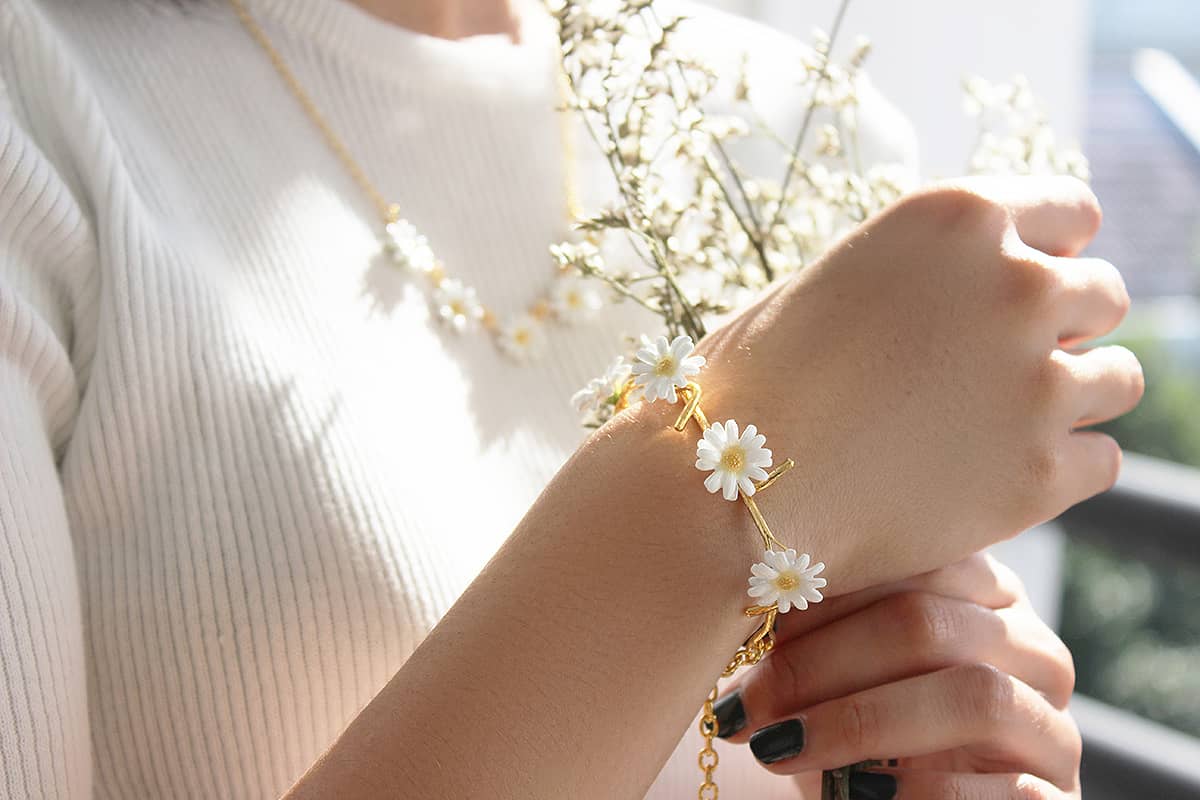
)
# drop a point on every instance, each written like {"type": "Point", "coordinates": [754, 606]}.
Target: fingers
{"type": "Point", "coordinates": [1000, 720]}
{"type": "Point", "coordinates": [1092, 298]}
{"type": "Point", "coordinates": [898, 637]}
{"type": "Point", "coordinates": [1058, 215]}
{"type": "Point", "coordinates": [978, 578]}
{"type": "Point", "coordinates": [925, 785]}
{"type": "Point", "coordinates": [1107, 382]}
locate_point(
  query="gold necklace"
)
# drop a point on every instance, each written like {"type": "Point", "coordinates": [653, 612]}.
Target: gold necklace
{"type": "Point", "coordinates": [456, 304]}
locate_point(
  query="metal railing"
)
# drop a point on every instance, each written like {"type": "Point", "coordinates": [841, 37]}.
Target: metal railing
{"type": "Point", "coordinates": [1153, 514]}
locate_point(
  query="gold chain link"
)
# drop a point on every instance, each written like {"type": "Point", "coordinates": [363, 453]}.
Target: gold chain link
{"type": "Point", "coordinates": [708, 756]}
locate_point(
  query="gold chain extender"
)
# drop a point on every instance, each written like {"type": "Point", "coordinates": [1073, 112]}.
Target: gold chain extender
{"type": "Point", "coordinates": [763, 639]}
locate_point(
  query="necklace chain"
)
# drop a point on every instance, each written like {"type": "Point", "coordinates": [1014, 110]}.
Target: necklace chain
{"type": "Point", "coordinates": [457, 304]}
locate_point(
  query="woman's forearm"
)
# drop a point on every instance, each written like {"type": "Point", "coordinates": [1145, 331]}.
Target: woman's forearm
{"type": "Point", "coordinates": [602, 622]}
{"type": "Point", "coordinates": [918, 376]}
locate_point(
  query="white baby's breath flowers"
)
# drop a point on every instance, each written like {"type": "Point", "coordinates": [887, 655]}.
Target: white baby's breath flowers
{"type": "Point", "coordinates": [660, 368]}
{"type": "Point", "coordinates": [574, 299]}
{"type": "Point", "coordinates": [736, 462]}
{"type": "Point", "coordinates": [407, 247]}
{"type": "Point", "coordinates": [522, 338]}
{"type": "Point", "coordinates": [457, 305]}
{"type": "Point", "coordinates": [786, 579]}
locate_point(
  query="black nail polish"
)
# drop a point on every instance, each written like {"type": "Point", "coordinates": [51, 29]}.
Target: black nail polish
{"type": "Point", "coordinates": [731, 714]}
{"type": "Point", "coordinates": [872, 786]}
{"type": "Point", "coordinates": [779, 741]}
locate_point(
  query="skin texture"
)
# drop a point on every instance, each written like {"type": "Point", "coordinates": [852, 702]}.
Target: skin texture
{"type": "Point", "coordinates": [951, 672]}
{"type": "Point", "coordinates": [915, 374]}
{"type": "Point", "coordinates": [448, 19]}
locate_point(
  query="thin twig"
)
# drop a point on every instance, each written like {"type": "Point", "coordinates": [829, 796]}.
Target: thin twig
{"type": "Point", "coordinates": [810, 111]}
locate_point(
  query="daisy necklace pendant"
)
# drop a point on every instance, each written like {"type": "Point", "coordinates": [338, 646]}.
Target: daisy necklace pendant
{"type": "Point", "coordinates": [567, 298]}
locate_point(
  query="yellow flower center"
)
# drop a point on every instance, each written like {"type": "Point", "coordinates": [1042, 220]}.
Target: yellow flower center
{"type": "Point", "coordinates": [574, 300]}
{"type": "Point", "coordinates": [665, 366]}
{"type": "Point", "coordinates": [787, 581]}
{"type": "Point", "coordinates": [734, 458]}
{"type": "Point", "coordinates": [521, 336]}
{"type": "Point", "coordinates": [459, 308]}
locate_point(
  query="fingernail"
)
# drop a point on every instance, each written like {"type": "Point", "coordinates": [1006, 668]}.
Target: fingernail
{"type": "Point", "coordinates": [779, 741]}
{"type": "Point", "coordinates": [731, 714]}
{"type": "Point", "coordinates": [872, 786]}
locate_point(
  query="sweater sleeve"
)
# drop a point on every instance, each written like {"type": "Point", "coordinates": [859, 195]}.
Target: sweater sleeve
{"type": "Point", "coordinates": [44, 236]}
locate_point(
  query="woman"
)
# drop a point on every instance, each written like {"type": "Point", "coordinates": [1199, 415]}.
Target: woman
{"type": "Point", "coordinates": [246, 474]}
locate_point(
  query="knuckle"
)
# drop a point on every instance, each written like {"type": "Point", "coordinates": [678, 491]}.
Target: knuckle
{"type": "Point", "coordinates": [930, 623]}
{"type": "Point", "coordinates": [1132, 373]}
{"type": "Point", "coordinates": [1088, 207]}
{"type": "Point", "coordinates": [1064, 665]}
{"type": "Point", "coordinates": [953, 205]}
{"type": "Point", "coordinates": [1118, 291]}
{"type": "Point", "coordinates": [858, 722]}
{"type": "Point", "coordinates": [955, 790]}
{"type": "Point", "coordinates": [783, 676]}
{"type": "Point", "coordinates": [984, 695]}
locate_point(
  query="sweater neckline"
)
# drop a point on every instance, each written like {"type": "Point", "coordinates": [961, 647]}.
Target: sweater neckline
{"type": "Point", "coordinates": [342, 26]}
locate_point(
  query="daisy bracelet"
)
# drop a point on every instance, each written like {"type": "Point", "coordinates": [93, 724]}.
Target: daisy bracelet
{"type": "Point", "coordinates": [739, 466]}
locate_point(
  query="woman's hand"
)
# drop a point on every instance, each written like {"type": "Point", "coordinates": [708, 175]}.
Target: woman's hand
{"type": "Point", "coordinates": [951, 672]}
{"type": "Point", "coordinates": [918, 376]}
{"type": "Point", "coordinates": [923, 377]}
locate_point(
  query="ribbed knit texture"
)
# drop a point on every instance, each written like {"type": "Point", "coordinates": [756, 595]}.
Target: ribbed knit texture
{"type": "Point", "coordinates": [242, 470]}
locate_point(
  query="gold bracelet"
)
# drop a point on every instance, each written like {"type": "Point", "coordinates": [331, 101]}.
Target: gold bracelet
{"type": "Point", "coordinates": [738, 465]}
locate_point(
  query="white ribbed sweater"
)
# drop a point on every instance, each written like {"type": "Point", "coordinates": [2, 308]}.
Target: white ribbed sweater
{"type": "Point", "coordinates": [223, 424]}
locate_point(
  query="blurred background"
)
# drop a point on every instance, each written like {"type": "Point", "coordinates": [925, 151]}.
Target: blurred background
{"type": "Point", "coordinates": [1119, 575]}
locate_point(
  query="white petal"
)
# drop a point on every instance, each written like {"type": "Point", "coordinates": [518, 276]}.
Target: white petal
{"type": "Point", "coordinates": [814, 569]}
{"type": "Point", "coordinates": [713, 482]}
{"type": "Point", "coordinates": [731, 431]}
{"type": "Point", "coordinates": [715, 435]}
{"type": "Point", "coordinates": [800, 602]}
{"type": "Point", "coordinates": [729, 485]}
{"type": "Point", "coordinates": [812, 595]}
{"type": "Point", "coordinates": [681, 347]}
{"type": "Point", "coordinates": [746, 485]}
{"type": "Point", "coordinates": [756, 473]}
{"type": "Point", "coordinates": [785, 605]}
{"type": "Point", "coordinates": [670, 393]}
{"type": "Point", "coordinates": [803, 562]}
{"type": "Point", "coordinates": [706, 464]}
{"type": "Point", "coordinates": [759, 590]}
{"type": "Point", "coordinates": [762, 570]}
{"type": "Point", "coordinates": [748, 435]}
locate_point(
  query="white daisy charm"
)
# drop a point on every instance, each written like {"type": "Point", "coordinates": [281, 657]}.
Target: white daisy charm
{"type": "Point", "coordinates": [407, 247]}
{"type": "Point", "coordinates": [457, 305]}
{"type": "Point", "coordinates": [573, 299]}
{"type": "Point", "coordinates": [735, 461]}
{"type": "Point", "coordinates": [603, 391]}
{"type": "Point", "coordinates": [661, 368]}
{"type": "Point", "coordinates": [787, 580]}
{"type": "Point", "coordinates": [522, 338]}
